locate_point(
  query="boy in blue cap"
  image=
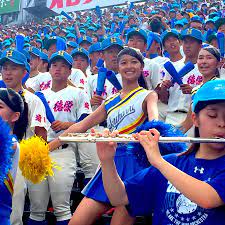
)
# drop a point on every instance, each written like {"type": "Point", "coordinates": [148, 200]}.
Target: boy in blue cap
{"type": "Point", "coordinates": [81, 59]}
{"type": "Point", "coordinates": [110, 47]}
{"type": "Point", "coordinates": [68, 105]}
{"type": "Point", "coordinates": [179, 97]}
{"type": "Point", "coordinates": [85, 42]}
{"type": "Point", "coordinates": [95, 53]}
{"type": "Point", "coordinates": [14, 67]}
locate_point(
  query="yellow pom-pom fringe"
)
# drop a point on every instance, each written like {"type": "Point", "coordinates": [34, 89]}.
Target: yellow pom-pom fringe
{"type": "Point", "coordinates": [35, 161]}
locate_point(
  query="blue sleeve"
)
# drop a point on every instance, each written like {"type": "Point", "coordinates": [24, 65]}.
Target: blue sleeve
{"type": "Point", "coordinates": [218, 183]}
{"type": "Point", "coordinates": [83, 116]}
{"type": "Point", "coordinates": [146, 188]}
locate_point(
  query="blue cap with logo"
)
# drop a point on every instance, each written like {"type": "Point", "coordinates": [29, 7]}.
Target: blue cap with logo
{"type": "Point", "coordinates": [72, 44]}
{"type": "Point", "coordinates": [112, 41]}
{"type": "Point", "coordinates": [168, 33]}
{"type": "Point", "coordinates": [16, 57]}
{"type": "Point", "coordinates": [84, 38]}
{"type": "Point", "coordinates": [80, 51]}
{"type": "Point", "coordinates": [192, 32]}
{"type": "Point", "coordinates": [61, 55]}
{"type": "Point", "coordinates": [213, 90]}
{"type": "Point", "coordinates": [95, 48]}
{"type": "Point", "coordinates": [33, 50]}
{"type": "Point", "coordinates": [71, 35]}
{"type": "Point", "coordinates": [137, 31]}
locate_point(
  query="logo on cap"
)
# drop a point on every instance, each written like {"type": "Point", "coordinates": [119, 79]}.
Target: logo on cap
{"type": "Point", "coordinates": [189, 31]}
{"type": "Point", "coordinates": [9, 53]}
{"type": "Point", "coordinates": [84, 38]}
{"type": "Point", "coordinates": [79, 49]}
{"type": "Point", "coordinates": [113, 40]}
{"type": "Point", "coordinates": [61, 53]}
{"type": "Point", "coordinates": [137, 29]}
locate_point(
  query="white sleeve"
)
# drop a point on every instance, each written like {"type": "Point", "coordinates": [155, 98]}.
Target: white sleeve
{"type": "Point", "coordinates": [37, 113]}
{"type": "Point", "coordinates": [83, 104]}
{"type": "Point", "coordinates": [34, 85]}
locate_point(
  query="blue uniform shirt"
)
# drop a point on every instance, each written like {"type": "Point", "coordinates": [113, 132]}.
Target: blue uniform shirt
{"type": "Point", "coordinates": [149, 191]}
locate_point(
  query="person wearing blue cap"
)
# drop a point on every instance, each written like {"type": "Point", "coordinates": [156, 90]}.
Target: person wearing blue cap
{"type": "Point", "coordinates": [95, 53]}
{"type": "Point", "coordinates": [110, 47]}
{"type": "Point", "coordinates": [68, 105]}
{"type": "Point", "coordinates": [85, 42]}
{"type": "Point", "coordinates": [137, 38]}
{"type": "Point", "coordinates": [197, 23]}
{"type": "Point", "coordinates": [34, 63]}
{"type": "Point", "coordinates": [81, 59]}
{"type": "Point", "coordinates": [43, 65]}
{"type": "Point", "coordinates": [14, 67]}
{"type": "Point", "coordinates": [170, 187]}
{"type": "Point", "coordinates": [179, 97]}
{"type": "Point", "coordinates": [71, 45]}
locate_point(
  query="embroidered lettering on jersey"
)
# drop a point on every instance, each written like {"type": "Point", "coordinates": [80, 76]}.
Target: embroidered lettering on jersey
{"type": "Point", "coordinates": [38, 118]}
{"type": "Point", "coordinates": [146, 73]}
{"type": "Point", "coordinates": [121, 115]}
{"type": "Point", "coordinates": [44, 86]}
{"type": "Point", "coordinates": [61, 106]}
{"type": "Point", "coordinates": [194, 80]}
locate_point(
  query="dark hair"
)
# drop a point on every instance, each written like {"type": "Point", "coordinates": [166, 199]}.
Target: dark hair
{"type": "Point", "coordinates": [132, 52]}
{"type": "Point", "coordinates": [16, 103]}
{"type": "Point", "coordinates": [155, 25]}
{"type": "Point", "coordinates": [136, 54]}
{"type": "Point", "coordinates": [194, 147]}
{"type": "Point", "coordinates": [214, 51]}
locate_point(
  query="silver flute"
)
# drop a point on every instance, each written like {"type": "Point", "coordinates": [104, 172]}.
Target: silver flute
{"type": "Point", "coordinates": [125, 138]}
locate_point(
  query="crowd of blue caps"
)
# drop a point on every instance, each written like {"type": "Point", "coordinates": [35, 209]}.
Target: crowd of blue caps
{"type": "Point", "coordinates": [99, 28]}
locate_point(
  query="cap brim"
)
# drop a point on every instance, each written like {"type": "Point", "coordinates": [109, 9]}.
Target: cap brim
{"type": "Point", "coordinates": [59, 57]}
{"type": "Point", "coordinates": [136, 32]}
{"type": "Point", "coordinates": [113, 45]}
{"type": "Point", "coordinates": [5, 59]}
{"type": "Point", "coordinates": [170, 34]}
{"type": "Point", "coordinates": [189, 35]}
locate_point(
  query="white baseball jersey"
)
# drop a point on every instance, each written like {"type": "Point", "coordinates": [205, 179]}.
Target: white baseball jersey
{"type": "Point", "coordinates": [36, 113]}
{"type": "Point", "coordinates": [109, 88]}
{"type": "Point", "coordinates": [40, 82]}
{"type": "Point", "coordinates": [78, 78]}
{"type": "Point", "coordinates": [67, 105]}
{"type": "Point", "coordinates": [151, 73]}
{"type": "Point", "coordinates": [177, 100]}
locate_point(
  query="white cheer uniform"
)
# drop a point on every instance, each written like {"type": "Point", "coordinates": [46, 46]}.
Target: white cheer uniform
{"type": "Point", "coordinates": [36, 118]}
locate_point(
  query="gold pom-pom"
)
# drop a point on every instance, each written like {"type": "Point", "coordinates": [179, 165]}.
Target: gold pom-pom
{"type": "Point", "coordinates": [35, 161]}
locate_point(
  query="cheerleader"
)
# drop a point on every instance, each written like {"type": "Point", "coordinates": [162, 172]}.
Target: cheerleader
{"type": "Point", "coordinates": [123, 111]}
{"type": "Point", "coordinates": [13, 110]}
{"type": "Point", "coordinates": [179, 189]}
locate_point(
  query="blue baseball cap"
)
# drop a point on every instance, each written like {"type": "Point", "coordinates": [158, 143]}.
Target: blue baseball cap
{"type": "Point", "coordinates": [49, 42]}
{"type": "Point", "coordinates": [95, 48]}
{"type": "Point", "coordinates": [43, 56]}
{"type": "Point", "coordinates": [33, 50]}
{"type": "Point", "coordinates": [61, 55]}
{"type": "Point", "coordinates": [168, 33]}
{"type": "Point", "coordinates": [108, 42]}
{"type": "Point", "coordinates": [72, 44]}
{"type": "Point", "coordinates": [137, 31]}
{"type": "Point", "coordinates": [80, 51]}
{"type": "Point", "coordinates": [16, 57]}
{"type": "Point", "coordinates": [71, 35]}
{"type": "Point", "coordinates": [219, 22]}
{"type": "Point", "coordinates": [192, 32]}
{"type": "Point", "coordinates": [84, 38]}
{"type": "Point", "coordinates": [210, 91]}
{"type": "Point", "coordinates": [197, 19]}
